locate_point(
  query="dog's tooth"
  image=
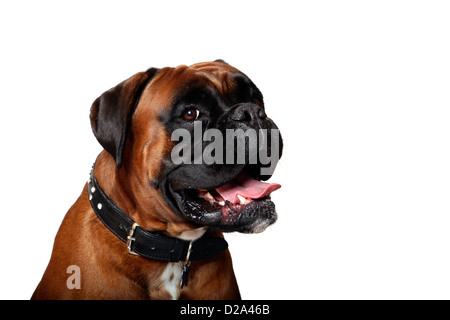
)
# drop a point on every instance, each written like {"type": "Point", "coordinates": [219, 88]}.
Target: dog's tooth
{"type": "Point", "coordinates": [209, 196]}
{"type": "Point", "coordinates": [222, 203]}
{"type": "Point", "coordinates": [242, 200]}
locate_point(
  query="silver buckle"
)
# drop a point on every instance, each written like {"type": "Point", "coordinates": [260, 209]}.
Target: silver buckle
{"type": "Point", "coordinates": [130, 238]}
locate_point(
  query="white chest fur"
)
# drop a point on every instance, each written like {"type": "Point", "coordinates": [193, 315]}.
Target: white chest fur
{"type": "Point", "coordinates": [171, 278]}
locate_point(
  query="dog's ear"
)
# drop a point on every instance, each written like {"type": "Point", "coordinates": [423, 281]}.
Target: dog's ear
{"type": "Point", "coordinates": [111, 113]}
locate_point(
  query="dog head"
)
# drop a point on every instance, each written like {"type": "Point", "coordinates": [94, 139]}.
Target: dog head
{"type": "Point", "coordinates": [194, 144]}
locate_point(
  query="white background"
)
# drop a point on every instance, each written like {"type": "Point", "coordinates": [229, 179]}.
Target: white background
{"type": "Point", "coordinates": [359, 89]}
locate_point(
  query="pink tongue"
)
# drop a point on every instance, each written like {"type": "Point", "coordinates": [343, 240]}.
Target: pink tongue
{"type": "Point", "coordinates": [247, 187]}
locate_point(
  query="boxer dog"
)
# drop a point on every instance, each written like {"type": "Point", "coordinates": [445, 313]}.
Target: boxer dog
{"type": "Point", "coordinates": [146, 226]}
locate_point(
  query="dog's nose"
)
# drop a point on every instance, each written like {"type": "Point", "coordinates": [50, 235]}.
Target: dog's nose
{"type": "Point", "coordinates": [247, 112]}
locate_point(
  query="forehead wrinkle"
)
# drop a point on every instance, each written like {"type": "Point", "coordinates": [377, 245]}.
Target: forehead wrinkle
{"type": "Point", "coordinates": [220, 79]}
{"type": "Point", "coordinates": [159, 92]}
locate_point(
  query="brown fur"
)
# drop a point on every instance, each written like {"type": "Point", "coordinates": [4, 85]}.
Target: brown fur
{"type": "Point", "coordinates": [108, 271]}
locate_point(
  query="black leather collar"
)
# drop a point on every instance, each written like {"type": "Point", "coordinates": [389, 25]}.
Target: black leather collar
{"type": "Point", "coordinates": [151, 245]}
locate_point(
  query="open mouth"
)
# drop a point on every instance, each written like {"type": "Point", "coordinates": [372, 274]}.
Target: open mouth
{"type": "Point", "coordinates": [241, 204]}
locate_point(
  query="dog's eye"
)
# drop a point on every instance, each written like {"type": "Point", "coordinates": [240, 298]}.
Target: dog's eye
{"type": "Point", "coordinates": [191, 114]}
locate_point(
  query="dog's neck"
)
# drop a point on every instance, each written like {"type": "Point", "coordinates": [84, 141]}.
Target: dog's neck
{"type": "Point", "coordinates": [141, 201]}
{"type": "Point", "coordinates": [153, 245]}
